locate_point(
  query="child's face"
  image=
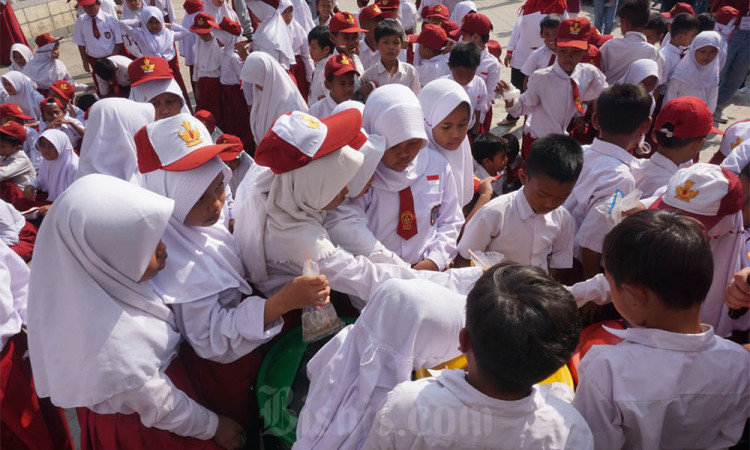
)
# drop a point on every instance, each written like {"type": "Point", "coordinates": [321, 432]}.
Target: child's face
{"type": "Point", "coordinates": [346, 43]}
{"type": "Point", "coordinates": [51, 112]}
{"type": "Point", "coordinates": [400, 156]}
{"type": "Point", "coordinates": [157, 262]}
{"type": "Point", "coordinates": [426, 52]}
{"type": "Point", "coordinates": [7, 148]}
{"type": "Point", "coordinates": [153, 25]}
{"type": "Point", "coordinates": [548, 36]}
{"type": "Point", "coordinates": [435, 20]}
{"type": "Point", "coordinates": [451, 131]}
{"type": "Point", "coordinates": [207, 209]}
{"type": "Point", "coordinates": [57, 96]}
{"type": "Point", "coordinates": [55, 53]}
{"type": "Point", "coordinates": [389, 48]}
{"type": "Point", "coordinates": [463, 75]}
{"type": "Point", "coordinates": [325, 9]}
{"type": "Point", "coordinates": [341, 87]}
{"type": "Point", "coordinates": [340, 197]}
{"type": "Point", "coordinates": [543, 193]}
{"type": "Point", "coordinates": [317, 52]}
{"type": "Point", "coordinates": [649, 83]}
{"type": "Point", "coordinates": [233, 164]}
{"type": "Point", "coordinates": [653, 36]}
{"type": "Point", "coordinates": [705, 55]}
{"type": "Point", "coordinates": [370, 25]}
{"type": "Point", "coordinates": [49, 152]}
{"type": "Point", "coordinates": [206, 37]}
{"type": "Point", "coordinates": [288, 15]}
{"type": "Point", "coordinates": [473, 37]}
{"type": "Point", "coordinates": [496, 164]}
{"type": "Point", "coordinates": [166, 105]}
{"type": "Point", "coordinates": [683, 39]}
{"type": "Point", "coordinates": [217, 3]}
{"type": "Point", "coordinates": [9, 87]}
{"type": "Point", "coordinates": [133, 4]}
{"type": "Point", "coordinates": [569, 57]}
{"type": "Point", "coordinates": [92, 10]}
{"type": "Point", "coordinates": [19, 60]}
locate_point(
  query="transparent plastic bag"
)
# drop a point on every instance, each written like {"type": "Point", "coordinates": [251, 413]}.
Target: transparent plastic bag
{"type": "Point", "coordinates": [485, 260]}
{"type": "Point", "coordinates": [318, 321]}
{"type": "Point", "coordinates": [511, 94]}
{"type": "Point", "coordinates": [616, 204]}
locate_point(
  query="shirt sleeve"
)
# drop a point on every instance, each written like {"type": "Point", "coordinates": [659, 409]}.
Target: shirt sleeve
{"type": "Point", "coordinates": [493, 77]}
{"type": "Point", "coordinates": [514, 35]}
{"type": "Point", "coordinates": [595, 289]}
{"type": "Point", "coordinates": [530, 66]}
{"type": "Point", "coordinates": [414, 83]}
{"type": "Point", "coordinates": [12, 169]}
{"type": "Point", "coordinates": [479, 231]}
{"type": "Point", "coordinates": [381, 435]}
{"type": "Point", "coordinates": [596, 225]}
{"type": "Point", "coordinates": [78, 37]}
{"type": "Point", "coordinates": [597, 407]}
{"type": "Point", "coordinates": [526, 103]}
{"type": "Point", "coordinates": [450, 219]}
{"type": "Point", "coordinates": [115, 26]}
{"type": "Point", "coordinates": [562, 247]}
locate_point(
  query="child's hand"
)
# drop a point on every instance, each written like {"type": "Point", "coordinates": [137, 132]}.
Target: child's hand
{"type": "Point", "coordinates": [229, 434]}
{"type": "Point", "coordinates": [738, 292]}
{"type": "Point", "coordinates": [56, 123]}
{"type": "Point", "coordinates": [485, 186]}
{"type": "Point", "coordinates": [29, 193]}
{"type": "Point", "coordinates": [305, 291]}
{"type": "Point", "coordinates": [241, 50]}
{"type": "Point", "coordinates": [508, 59]}
{"type": "Point", "coordinates": [86, 67]}
{"type": "Point", "coordinates": [43, 210]}
{"type": "Point", "coordinates": [502, 86]}
{"type": "Point", "coordinates": [426, 264]}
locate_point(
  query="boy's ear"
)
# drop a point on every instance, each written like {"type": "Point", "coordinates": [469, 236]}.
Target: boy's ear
{"type": "Point", "coordinates": [327, 84]}
{"type": "Point", "coordinates": [636, 294]}
{"type": "Point", "coordinates": [595, 120]}
{"type": "Point", "coordinates": [523, 176]}
{"type": "Point", "coordinates": [643, 127]}
{"type": "Point", "coordinates": [464, 343]}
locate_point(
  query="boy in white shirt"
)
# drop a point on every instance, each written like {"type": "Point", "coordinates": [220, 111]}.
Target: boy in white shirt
{"type": "Point", "coordinates": [619, 53]}
{"type": "Point", "coordinates": [463, 62]}
{"type": "Point", "coordinates": [340, 74]}
{"type": "Point", "coordinates": [369, 17]}
{"type": "Point", "coordinates": [694, 392]}
{"type": "Point", "coordinates": [15, 166]}
{"type": "Point", "coordinates": [683, 30]}
{"type": "Point", "coordinates": [97, 34]}
{"type": "Point", "coordinates": [530, 226]}
{"type": "Point", "coordinates": [321, 47]}
{"type": "Point", "coordinates": [545, 55]}
{"type": "Point", "coordinates": [476, 28]}
{"type": "Point", "coordinates": [507, 354]}
{"type": "Point", "coordinates": [10, 112]}
{"type": "Point", "coordinates": [433, 63]}
{"type": "Point", "coordinates": [112, 76]}
{"type": "Point", "coordinates": [389, 37]}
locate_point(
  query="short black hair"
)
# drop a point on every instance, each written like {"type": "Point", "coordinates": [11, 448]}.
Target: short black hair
{"type": "Point", "coordinates": [514, 146]}
{"type": "Point", "coordinates": [523, 325]}
{"type": "Point", "coordinates": [550, 21]}
{"type": "Point", "coordinates": [86, 101]}
{"type": "Point", "coordinates": [557, 156]}
{"type": "Point", "coordinates": [672, 142]}
{"type": "Point", "coordinates": [684, 22]}
{"type": "Point", "coordinates": [388, 27]}
{"type": "Point", "coordinates": [10, 139]}
{"type": "Point", "coordinates": [322, 34]}
{"type": "Point", "coordinates": [707, 21]}
{"type": "Point", "coordinates": [745, 171]}
{"type": "Point", "coordinates": [487, 145]}
{"type": "Point", "coordinates": [105, 69]}
{"type": "Point", "coordinates": [622, 108]}
{"type": "Point", "coordinates": [465, 54]}
{"type": "Point", "coordinates": [664, 251]}
{"type": "Point", "coordinates": [657, 22]}
{"type": "Point", "coordinates": [636, 12]}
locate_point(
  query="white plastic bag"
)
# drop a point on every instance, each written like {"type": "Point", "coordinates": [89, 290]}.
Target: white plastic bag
{"type": "Point", "coordinates": [318, 321]}
{"type": "Point", "coordinates": [616, 204]}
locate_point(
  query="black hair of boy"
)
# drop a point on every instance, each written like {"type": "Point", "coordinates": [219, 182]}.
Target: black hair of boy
{"type": "Point", "coordinates": [745, 172]}
{"type": "Point", "coordinates": [672, 142]}
{"type": "Point", "coordinates": [557, 156]}
{"type": "Point", "coordinates": [658, 23]}
{"type": "Point", "coordinates": [465, 54]}
{"type": "Point", "coordinates": [664, 251]}
{"type": "Point", "coordinates": [550, 21]}
{"type": "Point", "coordinates": [388, 27]}
{"type": "Point", "coordinates": [635, 12]}
{"type": "Point", "coordinates": [12, 140]}
{"type": "Point", "coordinates": [622, 108]}
{"type": "Point", "coordinates": [684, 22]}
{"type": "Point", "coordinates": [522, 324]}
{"type": "Point", "coordinates": [322, 35]}
{"type": "Point", "coordinates": [707, 21]}
{"type": "Point", "coordinates": [105, 69]}
{"type": "Point", "coordinates": [487, 145]}
{"type": "Point", "coordinates": [514, 146]}
{"type": "Point", "coordinates": [86, 101]}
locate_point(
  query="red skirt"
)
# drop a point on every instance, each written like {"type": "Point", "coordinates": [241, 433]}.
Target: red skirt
{"type": "Point", "coordinates": [174, 64]}
{"type": "Point", "coordinates": [236, 116]}
{"type": "Point", "coordinates": [300, 79]}
{"type": "Point", "coordinates": [209, 98]}
{"type": "Point", "coordinates": [10, 32]}
{"type": "Point", "coordinates": [27, 421]}
{"type": "Point", "coordinates": [12, 194]}
{"type": "Point", "coordinates": [526, 142]}
{"type": "Point", "coordinates": [26, 240]}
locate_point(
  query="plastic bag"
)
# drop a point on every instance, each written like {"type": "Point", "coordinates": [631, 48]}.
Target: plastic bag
{"type": "Point", "coordinates": [617, 203]}
{"type": "Point", "coordinates": [318, 321]}
{"type": "Point", "coordinates": [485, 260]}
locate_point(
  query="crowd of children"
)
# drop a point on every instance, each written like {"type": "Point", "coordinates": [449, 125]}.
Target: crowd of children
{"type": "Point", "coordinates": [343, 161]}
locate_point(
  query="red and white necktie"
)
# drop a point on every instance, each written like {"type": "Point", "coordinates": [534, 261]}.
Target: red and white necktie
{"type": "Point", "coordinates": [552, 59]}
{"type": "Point", "coordinates": [95, 28]}
{"type": "Point", "coordinates": [576, 96]}
{"type": "Point", "coordinates": [407, 220]}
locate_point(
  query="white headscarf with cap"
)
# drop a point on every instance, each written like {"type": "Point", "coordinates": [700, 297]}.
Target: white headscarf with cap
{"type": "Point", "coordinates": [58, 174]}
{"type": "Point", "coordinates": [159, 44]}
{"type": "Point", "coordinates": [279, 95]}
{"type": "Point", "coordinates": [438, 99]}
{"type": "Point", "coordinates": [44, 69]}
{"type": "Point", "coordinates": [24, 51]}
{"type": "Point", "coordinates": [372, 150]}
{"type": "Point", "coordinates": [272, 35]}
{"type": "Point", "coordinates": [406, 325]}
{"type": "Point", "coordinates": [26, 96]}
{"type": "Point", "coordinates": [144, 92]}
{"type": "Point", "coordinates": [461, 10]}
{"type": "Point", "coordinates": [108, 146]}
{"type": "Point", "coordinates": [95, 331]}
{"type": "Point", "coordinates": [690, 72]}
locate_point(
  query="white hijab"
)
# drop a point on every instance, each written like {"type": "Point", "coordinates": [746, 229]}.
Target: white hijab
{"type": "Point", "coordinates": [59, 173]}
{"type": "Point", "coordinates": [11, 224]}
{"type": "Point", "coordinates": [690, 72]}
{"type": "Point", "coordinates": [208, 55]}
{"type": "Point", "coordinates": [25, 51]}
{"type": "Point", "coordinates": [14, 286]}
{"type": "Point", "coordinates": [272, 35]}
{"type": "Point", "coordinates": [203, 261]}
{"type": "Point", "coordinates": [43, 68]}
{"type": "Point", "coordinates": [144, 92]}
{"type": "Point", "coordinates": [108, 146]}
{"type": "Point", "coordinates": [461, 10]}
{"type": "Point", "coordinates": [128, 13]}
{"type": "Point", "coordinates": [160, 44]}
{"type": "Point", "coordinates": [406, 325]}
{"type": "Point", "coordinates": [438, 99]}
{"type": "Point", "coordinates": [279, 95]}
{"type": "Point", "coordinates": [303, 15]}
{"type": "Point", "coordinates": [26, 96]}
{"type": "Point", "coordinates": [94, 330]}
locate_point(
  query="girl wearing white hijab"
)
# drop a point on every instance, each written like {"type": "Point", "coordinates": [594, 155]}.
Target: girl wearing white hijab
{"type": "Point", "coordinates": [413, 207]}
{"type": "Point", "coordinates": [19, 89]}
{"type": "Point", "coordinates": [108, 344]}
{"type": "Point", "coordinates": [45, 67]}
{"type": "Point", "coordinates": [20, 55]}
{"type": "Point", "coordinates": [408, 325]}
{"type": "Point", "coordinates": [697, 74]}
{"type": "Point", "coordinates": [59, 166]}
{"type": "Point", "coordinates": [461, 9]}
{"type": "Point", "coordinates": [272, 35]}
{"type": "Point", "coordinates": [646, 73]}
{"type": "Point", "coordinates": [303, 65]}
{"type": "Point", "coordinates": [274, 92]}
{"type": "Point", "coordinates": [108, 146]}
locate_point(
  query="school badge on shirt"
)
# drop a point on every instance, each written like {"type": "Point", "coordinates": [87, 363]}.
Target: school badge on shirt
{"type": "Point", "coordinates": [107, 35]}
{"type": "Point", "coordinates": [434, 214]}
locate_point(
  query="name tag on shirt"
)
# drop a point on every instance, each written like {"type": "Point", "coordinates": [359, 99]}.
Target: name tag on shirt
{"type": "Point", "coordinates": [433, 180]}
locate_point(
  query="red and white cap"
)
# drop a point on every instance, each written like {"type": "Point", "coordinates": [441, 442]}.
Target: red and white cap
{"type": "Point", "coordinates": [574, 32]}
{"type": "Point", "coordinates": [679, 8]}
{"type": "Point", "coordinates": [736, 134]}
{"type": "Point", "coordinates": [339, 65]}
{"type": "Point", "coordinates": [44, 39]}
{"type": "Point", "coordinates": [64, 89]}
{"type": "Point", "coordinates": [706, 192]}
{"type": "Point", "coordinates": [438, 10]}
{"type": "Point", "coordinates": [177, 143]}
{"type": "Point", "coordinates": [235, 147]}
{"type": "Point", "coordinates": [50, 101]}
{"type": "Point", "coordinates": [432, 36]}
{"type": "Point", "coordinates": [296, 138]}
{"type": "Point", "coordinates": [148, 68]}
{"type": "Point", "coordinates": [371, 12]}
{"type": "Point", "coordinates": [686, 117]}
{"type": "Point", "coordinates": [476, 23]}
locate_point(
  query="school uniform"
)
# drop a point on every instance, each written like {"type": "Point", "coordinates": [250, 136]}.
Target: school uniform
{"type": "Point", "coordinates": [368, 56]}
{"type": "Point", "coordinates": [692, 79]}
{"type": "Point", "coordinates": [489, 72]}
{"type": "Point", "coordinates": [653, 173]}
{"type": "Point", "coordinates": [120, 86]}
{"type": "Point", "coordinates": [618, 54]}
{"type": "Point", "coordinates": [26, 97]}
{"type": "Point", "coordinates": [236, 114]}
{"type": "Point", "coordinates": [543, 419]}
{"type": "Point", "coordinates": [539, 59]}
{"type": "Point", "coordinates": [73, 136]}
{"type": "Point", "coordinates": [238, 174]}
{"type": "Point", "coordinates": [477, 91]}
{"type": "Point", "coordinates": [323, 107]}
{"type": "Point", "coordinates": [480, 173]}
{"type": "Point", "coordinates": [727, 241]}
{"type": "Point", "coordinates": [99, 35]}
{"type": "Point", "coordinates": [45, 70]}
{"type": "Point", "coordinates": [694, 395]}
{"type": "Point", "coordinates": [166, 8]}
{"type": "Point", "coordinates": [317, 86]}
{"type": "Point", "coordinates": [206, 74]}
{"type": "Point", "coordinates": [508, 225]}
{"type": "Point", "coordinates": [671, 55]}
{"type": "Point", "coordinates": [55, 176]}
{"type": "Point", "coordinates": [302, 69]}
{"type": "Point", "coordinates": [17, 168]}
{"type": "Point", "coordinates": [130, 45]}
{"type": "Point", "coordinates": [405, 74]}
{"type": "Point", "coordinates": [432, 69]}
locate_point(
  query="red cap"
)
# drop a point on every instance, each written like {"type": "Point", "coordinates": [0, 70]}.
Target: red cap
{"type": "Point", "coordinates": [203, 24]}
{"type": "Point", "coordinates": [371, 12]}
{"type": "Point", "coordinates": [575, 33]}
{"type": "Point", "coordinates": [148, 68]}
{"type": "Point", "coordinates": [450, 27]}
{"type": "Point", "coordinates": [64, 89]}
{"type": "Point", "coordinates": [230, 153]}
{"type": "Point", "coordinates": [339, 65]}
{"type": "Point", "coordinates": [50, 101]}
{"type": "Point", "coordinates": [388, 5]}
{"type": "Point", "coordinates": [206, 118]}
{"type": "Point", "coordinates": [193, 6]}
{"type": "Point", "coordinates": [689, 117]}
{"type": "Point", "coordinates": [13, 110]}
{"type": "Point", "coordinates": [432, 36]}
{"type": "Point", "coordinates": [14, 129]}
{"type": "Point", "coordinates": [494, 48]}
{"type": "Point", "coordinates": [679, 8]}
{"type": "Point", "coordinates": [344, 22]}
{"type": "Point", "coordinates": [725, 14]}
{"type": "Point", "coordinates": [438, 10]}
{"type": "Point", "coordinates": [85, 2]}
{"type": "Point", "coordinates": [296, 138]}
{"type": "Point", "coordinates": [44, 39]}
{"type": "Point", "coordinates": [230, 26]}
{"type": "Point", "coordinates": [597, 39]}
{"type": "Point", "coordinates": [476, 23]}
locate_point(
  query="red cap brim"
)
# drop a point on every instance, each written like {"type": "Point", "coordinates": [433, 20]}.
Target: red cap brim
{"type": "Point", "coordinates": [343, 70]}
{"type": "Point", "coordinates": [351, 30]}
{"type": "Point", "coordinates": [231, 153]}
{"type": "Point", "coordinates": [197, 158]}
{"type": "Point", "coordinates": [19, 115]}
{"type": "Point", "coordinates": [581, 45]}
{"type": "Point", "coordinates": [412, 38]}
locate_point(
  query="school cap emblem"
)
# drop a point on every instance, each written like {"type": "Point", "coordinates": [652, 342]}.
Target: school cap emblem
{"type": "Point", "coordinates": [63, 86]}
{"type": "Point", "coordinates": [376, 8]}
{"type": "Point", "coordinates": [575, 28]}
{"type": "Point", "coordinates": [147, 67]}
{"type": "Point", "coordinates": [344, 60]}
{"type": "Point", "coordinates": [191, 136]}
{"type": "Point", "coordinates": [350, 19]}
{"type": "Point", "coordinates": [201, 21]}
{"type": "Point", "coordinates": [735, 143]}
{"type": "Point", "coordinates": [684, 192]}
{"type": "Point", "coordinates": [438, 8]}
{"type": "Point", "coordinates": [19, 109]}
{"type": "Point", "coordinates": [311, 122]}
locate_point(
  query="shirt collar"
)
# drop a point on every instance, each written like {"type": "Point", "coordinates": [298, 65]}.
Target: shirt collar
{"type": "Point", "coordinates": [609, 149]}
{"type": "Point", "coordinates": [656, 338]}
{"type": "Point", "coordinates": [636, 36]}
{"type": "Point", "coordinates": [400, 68]}
{"type": "Point", "coordinates": [525, 210]}
{"type": "Point", "coordinates": [664, 162]}
{"type": "Point", "coordinates": [561, 73]}
{"type": "Point", "coordinates": [329, 101]}
{"type": "Point", "coordinates": [455, 381]}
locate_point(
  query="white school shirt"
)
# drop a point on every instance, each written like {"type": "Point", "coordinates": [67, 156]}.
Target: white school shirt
{"type": "Point", "coordinates": [323, 107]}
{"type": "Point", "coordinates": [109, 34]}
{"type": "Point", "coordinates": [30, 148]}
{"type": "Point", "coordinates": [436, 208]}
{"type": "Point", "coordinates": [477, 91]}
{"type": "Point", "coordinates": [432, 69]}
{"type": "Point", "coordinates": [121, 64]}
{"type": "Point", "coordinates": [548, 100]}
{"type": "Point", "coordinates": [11, 224]}
{"type": "Point", "coordinates": [618, 54]}
{"type": "Point", "coordinates": [665, 390]}
{"type": "Point", "coordinates": [17, 168]}
{"type": "Point", "coordinates": [606, 168]}
{"type": "Point", "coordinates": [129, 43]}
{"type": "Point", "coordinates": [671, 55]}
{"type": "Point", "coordinates": [678, 88]}
{"type": "Point", "coordinates": [231, 69]}
{"type": "Point", "coordinates": [525, 38]}
{"type": "Point", "coordinates": [368, 56]}
{"type": "Point", "coordinates": [489, 72]}
{"type": "Point", "coordinates": [108, 6]}
{"type": "Point", "coordinates": [653, 173]}
{"type": "Point", "coordinates": [318, 87]}
{"type": "Point", "coordinates": [405, 74]}
{"type": "Point", "coordinates": [14, 285]}
{"type": "Point", "coordinates": [539, 59]}
{"type": "Point", "coordinates": [188, 42]}
{"type": "Point", "coordinates": [166, 8]}
{"type": "Point", "coordinates": [446, 412]}
{"type": "Point", "coordinates": [508, 225]}
{"type": "Point", "coordinates": [208, 59]}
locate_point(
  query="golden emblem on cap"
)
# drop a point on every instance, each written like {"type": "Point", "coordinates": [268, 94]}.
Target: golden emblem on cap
{"type": "Point", "coordinates": [684, 193]}
{"type": "Point", "coordinates": [191, 136]}
{"type": "Point", "coordinates": [311, 121]}
{"type": "Point", "coordinates": [575, 28]}
{"type": "Point", "coordinates": [376, 8]}
{"type": "Point", "coordinates": [201, 21]}
{"type": "Point", "coordinates": [344, 60]}
{"type": "Point", "coordinates": [349, 19]}
{"type": "Point", "coordinates": [147, 66]}
{"type": "Point", "coordinates": [438, 8]}
{"type": "Point", "coordinates": [19, 109]}
{"type": "Point", "coordinates": [735, 143]}
{"type": "Point", "coordinates": [63, 86]}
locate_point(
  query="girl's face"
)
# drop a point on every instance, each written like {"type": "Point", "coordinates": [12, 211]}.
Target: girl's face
{"type": "Point", "coordinates": [9, 87]}
{"type": "Point", "coordinates": [166, 105]}
{"type": "Point", "coordinates": [649, 83]}
{"type": "Point", "coordinates": [217, 3]}
{"type": "Point", "coordinates": [451, 131]}
{"type": "Point", "coordinates": [51, 112]}
{"type": "Point", "coordinates": [705, 55]}
{"type": "Point", "coordinates": [134, 5]}
{"type": "Point", "coordinates": [157, 262]}
{"type": "Point", "coordinates": [288, 15]}
{"type": "Point", "coordinates": [207, 209]}
{"type": "Point", "coordinates": [400, 156]}
{"type": "Point", "coordinates": [49, 152]}
{"type": "Point", "coordinates": [153, 25]}
{"type": "Point", "coordinates": [19, 60]}
{"type": "Point", "coordinates": [333, 204]}
{"type": "Point", "coordinates": [325, 8]}
{"type": "Point", "coordinates": [206, 37]}
{"type": "Point", "coordinates": [55, 53]}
